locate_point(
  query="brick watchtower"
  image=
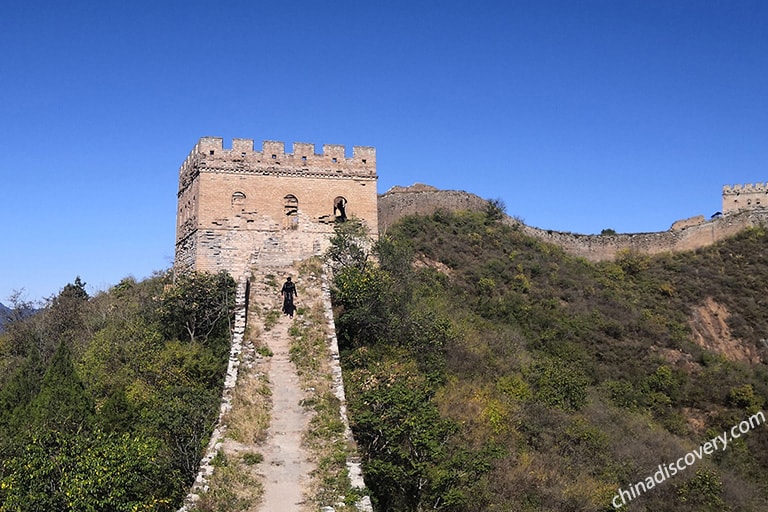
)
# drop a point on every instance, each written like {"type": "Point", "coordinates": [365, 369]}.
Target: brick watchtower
{"type": "Point", "coordinates": [237, 205]}
{"type": "Point", "coordinates": [745, 197]}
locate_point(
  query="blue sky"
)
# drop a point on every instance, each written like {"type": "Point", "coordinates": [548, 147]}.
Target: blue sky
{"type": "Point", "coordinates": [579, 115]}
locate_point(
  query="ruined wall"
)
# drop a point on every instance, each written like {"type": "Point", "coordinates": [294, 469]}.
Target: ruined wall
{"type": "Point", "coordinates": [237, 204]}
{"type": "Point", "coordinates": [681, 224]}
{"type": "Point", "coordinates": [419, 199]}
{"type": "Point", "coordinates": [686, 235]}
{"type": "Point", "coordinates": [607, 247]}
{"type": "Point", "coordinates": [745, 197]}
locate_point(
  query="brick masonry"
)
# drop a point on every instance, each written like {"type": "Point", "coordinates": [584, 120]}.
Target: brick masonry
{"type": "Point", "coordinates": [745, 197]}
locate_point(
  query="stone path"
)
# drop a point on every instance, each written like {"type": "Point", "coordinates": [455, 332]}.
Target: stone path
{"type": "Point", "coordinates": [286, 462]}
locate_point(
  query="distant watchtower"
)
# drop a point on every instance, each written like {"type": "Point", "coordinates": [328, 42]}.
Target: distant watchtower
{"type": "Point", "coordinates": [237, 206]}
{"type": "Point", "coordinates": [745, 197]}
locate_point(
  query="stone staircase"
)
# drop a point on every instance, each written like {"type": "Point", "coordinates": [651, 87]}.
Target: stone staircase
{"type": "Point", "coordinates": [287, 464]}
{"type": "Point", "coordinates": [284, 478]}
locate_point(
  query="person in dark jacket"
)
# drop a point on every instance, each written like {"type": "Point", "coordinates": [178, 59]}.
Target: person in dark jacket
{"type": "Point", "coordinates": [288, 292]}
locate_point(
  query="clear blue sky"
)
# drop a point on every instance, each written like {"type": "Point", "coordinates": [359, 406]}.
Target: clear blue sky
{"type": "Point", "coordinates": [579, 115]}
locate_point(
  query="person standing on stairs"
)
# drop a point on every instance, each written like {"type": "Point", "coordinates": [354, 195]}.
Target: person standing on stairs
{"type": "Point", "coordinates": [288, 292]}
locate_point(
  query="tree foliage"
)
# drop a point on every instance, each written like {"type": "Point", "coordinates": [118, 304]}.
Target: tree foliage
{"type": "Point", "coordinates": [198, 305]}
{"type": "Point", "coordinates": [114, 396]}
{"type": "Point", "coordinates": [350, 246]}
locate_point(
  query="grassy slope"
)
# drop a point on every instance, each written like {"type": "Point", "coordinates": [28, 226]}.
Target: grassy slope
{"type": "Point", "coordinates": [504, 374]}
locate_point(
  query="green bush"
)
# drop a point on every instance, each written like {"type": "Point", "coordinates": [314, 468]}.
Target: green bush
{"type": "Point", "coordinates": [470, 336]}
{"type": "Point", "coordinates": [111, 408]}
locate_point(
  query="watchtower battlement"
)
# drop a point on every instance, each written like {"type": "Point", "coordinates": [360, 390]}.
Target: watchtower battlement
{"type": "Point", "coordinates": [237, 204]}
{"type": "Point", "coordinates": [209, 154]}
{"type": "Point", "coordinates": [745, 197]}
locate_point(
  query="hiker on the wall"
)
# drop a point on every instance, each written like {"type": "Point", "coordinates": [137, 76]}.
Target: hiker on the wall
{"type": "Point", "coordinates": [288, 292]}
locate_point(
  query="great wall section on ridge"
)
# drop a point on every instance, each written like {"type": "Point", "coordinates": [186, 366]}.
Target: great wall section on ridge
{"type": "Point", "coordinates": [249, 212]}
{"type": "Point", "coordinates": [238, 205]}
{"type": "Point", "coordinates": [742, 208]}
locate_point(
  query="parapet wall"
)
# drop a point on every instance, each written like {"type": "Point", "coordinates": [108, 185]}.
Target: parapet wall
{"type": "Point", "coordinates": [686, 235]}
{"type": "Point", "coordinates": [687, 223]}
{"type": "Point", "coordinates": [607, 247]}
{"type": "Point", "coordinates": [209, 154]}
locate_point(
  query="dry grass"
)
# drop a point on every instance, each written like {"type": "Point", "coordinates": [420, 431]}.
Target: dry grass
{"type": "Point", "coordinates": [232, 488]}
{"type": "Point", "coordinates": [251, 402]}
{"type": "Point", "coordinates": [310, 352]}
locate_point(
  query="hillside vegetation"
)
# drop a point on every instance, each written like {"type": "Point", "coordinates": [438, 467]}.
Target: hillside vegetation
{"type": "Point", "coordinates": [488, 371]}
{"type": "Point", "coordinates": [106, 402]}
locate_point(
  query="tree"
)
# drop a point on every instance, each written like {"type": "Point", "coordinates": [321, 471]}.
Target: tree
{"type": "Point", "coordinates": [97, 473]}
{"type": "Point", "coordinates": [362, 296]}
{"type": "Point", "coordinates": [63, 318]}
{"type": "Point", "coordinates": [74, 290]}
{"type": "Point", "coordinates": [350, 246]}
{"type": "Point", "coordinates": [19, 391]}
{"type": "Point", "coordinates": [198, 305]}
{"type": "Point", "coordinates": [495, 210]}
{"type": "Point", "coordinates": [19, 310]}
{"type": "Point", "coordinates": [183, 417]}
{"type": "Point", "coordinates": [63, 404]}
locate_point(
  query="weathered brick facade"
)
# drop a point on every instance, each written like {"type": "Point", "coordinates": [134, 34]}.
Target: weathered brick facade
{"type": "Point", "coordinates": [745, 197]}
{"type": "Point", "coordinates": [238, 205]}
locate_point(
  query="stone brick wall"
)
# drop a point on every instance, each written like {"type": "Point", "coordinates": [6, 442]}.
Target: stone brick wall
{"type": "Point", "coordinates": [607, 247]}
{"type": "Point", "coordinates": [745, 197]}
{"type": "Point", "coordinates": [687, 223]}
{"type": "Point", "coordinates": [237, 204]}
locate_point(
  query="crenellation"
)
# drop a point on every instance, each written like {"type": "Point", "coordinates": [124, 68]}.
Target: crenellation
{"type": "Point", "coordinates": [745, 188]}
{"type": "Point", "coordinates": [242, 146]}
{"type": "Point", "coordinates": [208, 144]}
{"type": "Point", "coordinates": [273, 150]}
{"type": "Point", "coordinates": [210, 154]}
{"type": "Point", "coordinates": [366, 155]}
{"type": "Point", "coordinates": [304, 150]}
{"type": "Point", "coordinates": [334, 152]}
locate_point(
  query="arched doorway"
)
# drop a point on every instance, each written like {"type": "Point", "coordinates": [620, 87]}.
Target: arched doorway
{"type": "Point", "coordinates": [291, 209]}
{"type": "Point", "coordinates": [238, 201]}
{"type": "Point", "coordinates": [340, 208]}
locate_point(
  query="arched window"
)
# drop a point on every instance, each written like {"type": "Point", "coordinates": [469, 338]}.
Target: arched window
{"type": "Point", "coordinates": [238, 200]}
{"type": "Point", "coordinates": [291, 208]}
{"type": "Point", "coordinates": [340, 208]}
